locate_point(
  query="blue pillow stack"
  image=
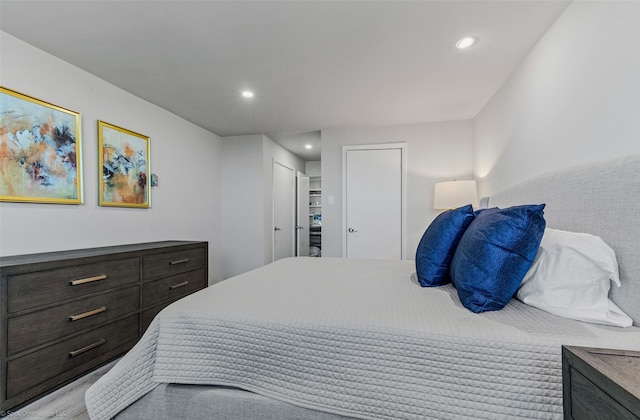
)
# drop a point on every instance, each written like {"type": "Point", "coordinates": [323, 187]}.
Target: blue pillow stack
{"type": "Point", "coordinates": [494, 254]}
{"type": "Point", "coordinates": [438, 245]}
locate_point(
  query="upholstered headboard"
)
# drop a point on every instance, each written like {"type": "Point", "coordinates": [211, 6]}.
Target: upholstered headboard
{"type": "Point", "coordinates": [600, 198]}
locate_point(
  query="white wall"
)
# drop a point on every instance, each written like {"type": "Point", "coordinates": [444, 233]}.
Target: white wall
{"type": "Point", "coordinates": [242, 200]}
{"type": "Point", "coordinates": [185, 157]}
{"type": "Point", "coordinates": [313, 168]}
{"type": "Point", "coordinates": [575, 98]}
{"type": "Point", "coordinates": [247, 200]}
{"type": "Point", "coordinates": [436, 152]}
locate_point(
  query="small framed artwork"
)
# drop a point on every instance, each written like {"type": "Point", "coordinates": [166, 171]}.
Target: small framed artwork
{"type": "Point", "coordinates": [124, 166]}
{"type": "Point", "coordinates": [40, 151]}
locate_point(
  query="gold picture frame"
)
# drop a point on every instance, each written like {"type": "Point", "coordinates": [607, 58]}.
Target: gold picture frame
{"type": "Point", "coordinates": [40, 151]}
{"type": "Point", "coordinates": [125, 172]}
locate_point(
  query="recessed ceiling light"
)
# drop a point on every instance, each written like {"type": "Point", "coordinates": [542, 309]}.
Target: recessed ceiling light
{"type": "Point", "coordinates": [308, 146]}
{"type": "Point", "coordinates": [247, 94]}
{"type": "Point", "coordinates": [465, 43]}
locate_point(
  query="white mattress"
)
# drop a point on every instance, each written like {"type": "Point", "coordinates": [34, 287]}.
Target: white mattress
{"type": "Point", "coordinates": [358, 338]}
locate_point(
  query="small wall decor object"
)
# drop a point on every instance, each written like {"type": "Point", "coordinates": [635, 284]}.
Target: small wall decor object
{"type": "Point", "coordinates": [124, 166]}
{"type": "Point", "coordinates": [40, 151]}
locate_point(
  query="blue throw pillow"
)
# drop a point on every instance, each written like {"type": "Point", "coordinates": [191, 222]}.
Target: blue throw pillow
{"type": "Point", "coordinates": [438, 244]}
{"type": "Point", "coordinates": [494, 254]}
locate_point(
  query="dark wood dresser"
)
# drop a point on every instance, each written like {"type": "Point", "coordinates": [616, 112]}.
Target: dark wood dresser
{"type": "Point", "coordinates": [65, 313]}
{"type": "Point", "coordinates": [600, 384]}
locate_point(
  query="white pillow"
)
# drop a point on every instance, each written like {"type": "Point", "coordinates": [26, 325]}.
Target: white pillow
{"type": "Point", "coordinates": [571, 276]}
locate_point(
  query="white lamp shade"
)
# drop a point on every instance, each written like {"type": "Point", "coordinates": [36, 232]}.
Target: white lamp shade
{"type": "Point", "coordinates": [454, 194]}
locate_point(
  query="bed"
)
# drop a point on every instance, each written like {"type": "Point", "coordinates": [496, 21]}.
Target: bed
{"type": "Point", "coordinates": [329, 338]}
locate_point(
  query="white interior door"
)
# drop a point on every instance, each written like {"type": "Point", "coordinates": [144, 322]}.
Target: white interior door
{"type": "Point", "coordinates": [302, 224]}
{"type": "Point", "coordinates": [374, 202]}
{"type": "Point", "coordinates": [283, 211]}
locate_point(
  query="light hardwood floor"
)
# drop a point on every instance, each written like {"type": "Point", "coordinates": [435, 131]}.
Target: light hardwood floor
{"type": "Point", "coordinates": [67, 403]}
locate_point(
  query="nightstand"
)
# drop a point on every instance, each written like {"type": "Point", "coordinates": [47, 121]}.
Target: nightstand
{"type": "Point", "coordinates": [600, 384]}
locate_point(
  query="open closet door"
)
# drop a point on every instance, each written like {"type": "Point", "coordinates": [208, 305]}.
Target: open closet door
{"type": "Point", "coordinates": [302, 212]}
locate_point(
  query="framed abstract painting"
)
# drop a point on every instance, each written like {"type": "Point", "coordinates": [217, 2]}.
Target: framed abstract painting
{"type": "Point", "coordinates": [124, 166]}
{"type": "Point", "coordinates": [40, 151]}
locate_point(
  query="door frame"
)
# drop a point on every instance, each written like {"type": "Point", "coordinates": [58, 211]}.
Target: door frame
{"type": "Point", "coordinates": [403, 192]}
{"type": "Point", "coordinates": [302, 220]}
{"type": "Point", "coordinates": [273, 208]}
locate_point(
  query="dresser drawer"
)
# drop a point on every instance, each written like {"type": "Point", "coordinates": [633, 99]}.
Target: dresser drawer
{"type": "Point", "coordinates": [172, 288]}
{"type": "Point", "coordinates": [600, 383]}
{"type": "Point", "coordinates": [588, 402]}
{"type": "Point", "coordinates": [36, 328]}
{"type": "Point", "coordinates": [30, 370]}
{"type": "Point", "coordinates": [170, 263]}
{"type": "Point", "coordinates": [30, 290]}
{"type": "Point", "coordinates": [149, 314]}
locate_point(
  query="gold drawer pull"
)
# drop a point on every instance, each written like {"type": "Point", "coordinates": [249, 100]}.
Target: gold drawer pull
{"type": "Point", "coordinates": [87, 348]}
{"type": "Point", "coordinates": [88, 280]}
{"type": "Point", "coordinates": [175, 286]}
{"type": "Point", "coordinates": [87, 314]}
{"type": "Point", "coordinates": [182, 261]}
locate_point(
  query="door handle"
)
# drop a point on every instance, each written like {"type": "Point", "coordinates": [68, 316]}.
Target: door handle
{"type": "Point", "coordinates": [299, 227]}
{"type": "Point", "coordinates": [276, 228]}
{"type": "Point", "coordinates": [352, 230]}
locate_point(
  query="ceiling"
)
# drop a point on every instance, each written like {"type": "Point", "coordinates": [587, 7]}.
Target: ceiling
{"type": "Point", "coordinates": [312, 64]}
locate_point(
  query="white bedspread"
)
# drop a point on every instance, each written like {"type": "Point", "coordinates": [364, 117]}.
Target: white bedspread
{"type": "Point", "coordinates": [358, 338]}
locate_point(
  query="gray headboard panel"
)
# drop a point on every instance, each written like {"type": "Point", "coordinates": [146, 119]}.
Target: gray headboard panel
{"type": "Point", "coordinates": [600, 198]}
